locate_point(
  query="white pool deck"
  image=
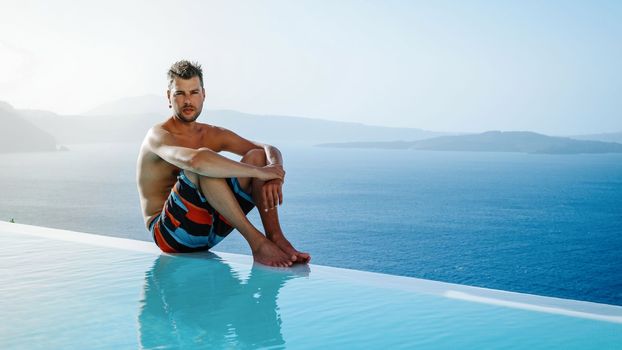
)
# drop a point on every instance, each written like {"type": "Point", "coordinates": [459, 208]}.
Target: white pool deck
{"type": "Point", "coordinates": [550, 305]}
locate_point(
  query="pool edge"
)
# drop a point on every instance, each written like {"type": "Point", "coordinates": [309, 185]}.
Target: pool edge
{"type": "Point", "coordinates": [531, 302]}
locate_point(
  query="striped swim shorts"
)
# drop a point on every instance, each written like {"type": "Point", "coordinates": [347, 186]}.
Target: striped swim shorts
{"type": "Point", "coordinates": [188, 223]}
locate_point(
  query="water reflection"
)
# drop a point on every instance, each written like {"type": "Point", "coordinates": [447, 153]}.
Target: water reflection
{"type": "Point", "coordinates": [198, 300]}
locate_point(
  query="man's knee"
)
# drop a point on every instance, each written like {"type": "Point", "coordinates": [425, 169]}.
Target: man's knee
{"type": "Point", "coordinates": [256, 157]}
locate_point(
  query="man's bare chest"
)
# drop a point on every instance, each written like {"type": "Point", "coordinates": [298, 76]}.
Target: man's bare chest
{"type": "Point", "coordinates": [195, 141]}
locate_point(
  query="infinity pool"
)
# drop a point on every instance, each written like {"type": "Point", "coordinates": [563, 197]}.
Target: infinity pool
{"type": "Point", "coordinates": [70, 290]}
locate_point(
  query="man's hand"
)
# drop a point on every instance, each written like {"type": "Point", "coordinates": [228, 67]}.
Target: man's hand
{"type": "Point", "coordinates": [271, 172]}
{"type": "Point", "coordinates": [272, 193]}
{"type": "Point", "coordinates": [272, 190]}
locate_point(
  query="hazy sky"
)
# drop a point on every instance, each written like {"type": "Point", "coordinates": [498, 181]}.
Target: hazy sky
{"type": "Point", "coordinates": [552, 67]}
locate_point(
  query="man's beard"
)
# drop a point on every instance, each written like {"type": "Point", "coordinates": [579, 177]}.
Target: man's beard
{"type": "Point", "coordinates": [188, 119]}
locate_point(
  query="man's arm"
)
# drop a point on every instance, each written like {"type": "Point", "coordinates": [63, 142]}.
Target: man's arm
{"type": "Point", "coordinates": [272, 189]}
{"type": "Point", "coordinates": [234, 143]}
{"type": "Point", "coordinates": [204, 161]}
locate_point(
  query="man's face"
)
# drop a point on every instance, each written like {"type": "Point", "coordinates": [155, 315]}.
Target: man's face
{"type": "Point", "coordinates": [186, 96]}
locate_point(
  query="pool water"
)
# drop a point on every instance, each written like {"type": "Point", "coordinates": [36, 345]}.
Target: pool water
{"type": "Point", "coordinates": [68, 290]}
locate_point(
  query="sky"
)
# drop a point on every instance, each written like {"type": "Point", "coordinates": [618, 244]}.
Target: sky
{"type": "Point", "coordinates": [462, 66]}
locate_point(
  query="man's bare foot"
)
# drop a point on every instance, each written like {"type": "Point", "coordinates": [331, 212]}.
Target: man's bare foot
{"type": "Point", "coordinates": [287, 247]}
{"type": "Point", "coordinates": [268, 253]}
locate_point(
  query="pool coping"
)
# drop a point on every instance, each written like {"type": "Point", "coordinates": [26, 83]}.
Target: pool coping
{"type": "Point", "coordinates": [531, 302]}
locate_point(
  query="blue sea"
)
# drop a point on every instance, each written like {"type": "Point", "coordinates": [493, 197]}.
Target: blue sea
{"type": "Point", "coordinates": [540, 224]}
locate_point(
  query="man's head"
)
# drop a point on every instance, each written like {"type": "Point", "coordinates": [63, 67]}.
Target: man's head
{"type": "Point", "coordinates": [185, 90]}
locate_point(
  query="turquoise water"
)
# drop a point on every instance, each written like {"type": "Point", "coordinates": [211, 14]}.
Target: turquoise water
{"type": "Point", "coordinates": [70, 295]}
{"type": "Point", "coordinates": [541, 224]}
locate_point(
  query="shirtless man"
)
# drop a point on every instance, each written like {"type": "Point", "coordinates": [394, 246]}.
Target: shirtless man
{"type": "Point", "coordinates": [192, 197]}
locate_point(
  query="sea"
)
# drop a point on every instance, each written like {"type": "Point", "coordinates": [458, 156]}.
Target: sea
{"type": "Point", "coordinates": [531, 223]}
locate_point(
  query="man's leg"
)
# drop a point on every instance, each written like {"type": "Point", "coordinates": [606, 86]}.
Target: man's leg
{"type": "Point", "coordinates": [220, 197]}
{"type": "Point", "coordinates": [269, 217]}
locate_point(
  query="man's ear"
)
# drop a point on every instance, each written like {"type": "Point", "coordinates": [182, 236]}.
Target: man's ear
{"type": "Point", "coordinates": [168, 97]}
{"type": "Point", "coordinates": [204, 95]}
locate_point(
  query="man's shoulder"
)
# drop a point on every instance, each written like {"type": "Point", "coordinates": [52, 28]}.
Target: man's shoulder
{"type": "Point", "coordinates": [210, 130]}
{"type": "Point", "coordinates": [207, 126]}
{"type": "Point", "coordinates": [155, 127]}
{"type": "Point", "coordinates": [157, 134]}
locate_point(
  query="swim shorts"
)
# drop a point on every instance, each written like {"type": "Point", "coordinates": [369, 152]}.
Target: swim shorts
{"type": "Point", "coordinates": [188, 223]}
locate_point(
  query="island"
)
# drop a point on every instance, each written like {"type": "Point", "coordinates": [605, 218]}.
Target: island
{"type": "Point", "coordinates": [494, 141]}
{"type": "Point", "coordinates": [19, 135]}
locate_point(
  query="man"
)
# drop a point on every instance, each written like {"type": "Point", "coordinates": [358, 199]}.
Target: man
{"type": "Point", "coordinates": [192, 197]}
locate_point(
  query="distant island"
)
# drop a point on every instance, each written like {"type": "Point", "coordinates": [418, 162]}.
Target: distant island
{"type": "Point", "coordinates": [19, 135]}
{"type": "Point", "coordinates": [127, 121]}
{"type": "Point", "coordinates": [605, 137]}
{"type": "Point", "coordinates": [494, 141]}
